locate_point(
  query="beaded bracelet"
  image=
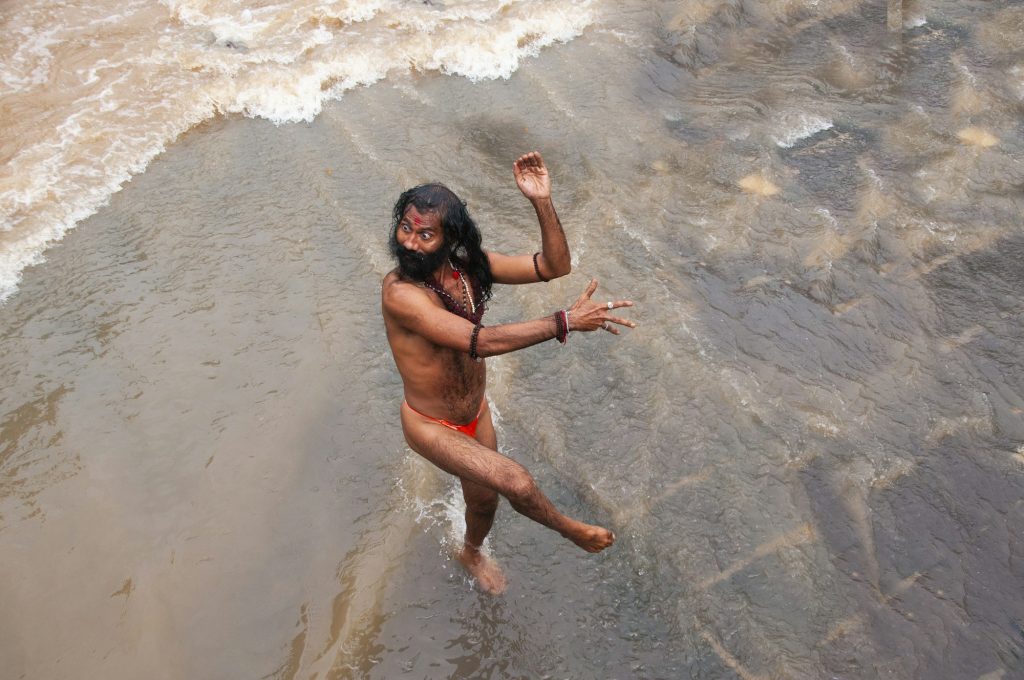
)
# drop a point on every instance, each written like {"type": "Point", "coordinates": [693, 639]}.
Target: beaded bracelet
{"type": "Point", "coordinates": [536, 267]}
{"type": "Point", "coordinates": [561, 326]}
{"type": "Point", "coordinates": [472, 343]}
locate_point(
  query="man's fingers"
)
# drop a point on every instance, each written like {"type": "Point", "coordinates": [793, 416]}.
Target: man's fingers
{"type": "Point", "coordinates": [529, 160]}
{"type": "Point", "coordinates": [590, 289]}
{"type": "Point", "coordinates": [622, 322]}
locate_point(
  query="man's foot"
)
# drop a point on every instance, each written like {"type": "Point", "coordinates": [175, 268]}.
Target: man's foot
{"type": "Point", "coordinates": [485, 570]}
{"type": "Point", "coordinates": [589, 537]}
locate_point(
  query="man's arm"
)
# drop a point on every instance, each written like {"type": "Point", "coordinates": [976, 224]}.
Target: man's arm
{"type": "Point", "coordinates": [415, 311]}
{"type": "Point", "coordinates": [553, 261]}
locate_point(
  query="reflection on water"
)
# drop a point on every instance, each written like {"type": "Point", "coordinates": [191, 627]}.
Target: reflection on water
{"type": "Point", "coordinates": [811, 449]}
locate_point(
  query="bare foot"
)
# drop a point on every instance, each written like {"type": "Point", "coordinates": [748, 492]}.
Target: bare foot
{"type": "Point", "coordinates": [589, 537]}
{"type": "Point", "coordinates": [485, 570]}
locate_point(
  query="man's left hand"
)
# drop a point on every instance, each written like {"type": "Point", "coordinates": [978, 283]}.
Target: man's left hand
{"type": "Point", "coordinates": [587, 315]}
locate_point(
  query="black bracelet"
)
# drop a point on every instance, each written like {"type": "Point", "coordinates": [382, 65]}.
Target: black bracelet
{"type": "Point", "coordinates": [536, 267]}
{"type": "Point", "coordinates": [472, 343]}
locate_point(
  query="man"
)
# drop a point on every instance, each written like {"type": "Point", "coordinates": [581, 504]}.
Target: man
{"type": "Point", "coordinates": [433, 304]}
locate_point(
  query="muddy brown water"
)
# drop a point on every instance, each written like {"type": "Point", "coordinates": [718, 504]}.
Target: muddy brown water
{"type": "Point", "coordinates": [811, 449]}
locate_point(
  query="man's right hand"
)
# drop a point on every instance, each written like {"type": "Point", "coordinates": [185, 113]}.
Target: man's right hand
{"type": "Point", "coordinates": [587, 315]}
{"type": "Point", "coordinates": [532, 176]}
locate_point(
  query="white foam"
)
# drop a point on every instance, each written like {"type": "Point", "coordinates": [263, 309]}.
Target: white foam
{"type": "Point", "coordinates": [30, 63]}
{"type": "Point", "coordinates": [491, 52]}
{"type": "Point", "coordinates": [447, 511]}
{"type": "Point", "coordinates": [84, 190]}
{"type": "Point", "coordinates": [799, 126]}
{"type": "Point", "coordinates": [281, 62]}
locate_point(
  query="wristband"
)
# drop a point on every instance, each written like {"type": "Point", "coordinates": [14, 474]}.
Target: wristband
{"type": "Point", "coordinates": [561, 326]}
{"type": "Point", "coordinates": [536, 267]}
{"type": "Point", "coordinates": [472, 343]}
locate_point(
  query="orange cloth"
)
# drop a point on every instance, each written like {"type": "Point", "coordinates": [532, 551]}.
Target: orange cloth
{"type": "Point", "coordinates": [468, 428]}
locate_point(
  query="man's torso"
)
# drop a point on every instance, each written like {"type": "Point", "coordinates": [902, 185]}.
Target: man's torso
{"type": "Point", "coordinates": [439, 381]}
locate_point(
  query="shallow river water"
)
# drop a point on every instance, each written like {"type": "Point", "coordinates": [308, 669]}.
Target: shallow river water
{"type": "Point", "coordinates": [811, 449]}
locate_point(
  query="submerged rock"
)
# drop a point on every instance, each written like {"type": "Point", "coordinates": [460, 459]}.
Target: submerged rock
{"type": "Point", "coordinates": [756, 184]}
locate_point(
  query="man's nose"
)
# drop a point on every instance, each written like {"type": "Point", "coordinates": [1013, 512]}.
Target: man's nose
{"type": "Point", "coordinates": [408, 243]}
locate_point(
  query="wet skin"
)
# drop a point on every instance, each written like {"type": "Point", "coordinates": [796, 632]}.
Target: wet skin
{"type": "Point", "coordinates": [430, 347]}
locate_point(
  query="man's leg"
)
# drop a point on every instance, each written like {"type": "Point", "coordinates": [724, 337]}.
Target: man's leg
{"type": "Point", "coordinates": [481, 505]}
{"type": "Point", "coordinates": [481, 501]}
{"type": "Point", "coordinates": [470, 460]}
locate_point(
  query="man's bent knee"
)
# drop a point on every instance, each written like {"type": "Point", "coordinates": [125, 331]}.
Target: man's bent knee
{"type": "Point", "coordinates": [520, 486]}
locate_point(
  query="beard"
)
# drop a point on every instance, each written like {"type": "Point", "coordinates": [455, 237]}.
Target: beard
{"type": "Point", "coordinates": [417, 266]}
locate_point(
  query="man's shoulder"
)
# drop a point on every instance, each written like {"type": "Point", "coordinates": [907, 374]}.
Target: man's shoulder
{"type": "Point", "coordinates": [393, 282]}
{"type": "Point", "coordinates": [390, 278]}
{"type": "Point", "coordinates": [396, 291]}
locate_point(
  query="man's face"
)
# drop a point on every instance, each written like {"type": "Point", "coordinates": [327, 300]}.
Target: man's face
{"type": "Point", "coordinates": [418, 244]}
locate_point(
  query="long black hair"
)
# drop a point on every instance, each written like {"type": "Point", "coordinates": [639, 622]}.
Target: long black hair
{"type": "Point", "coordinates": [461, 235]}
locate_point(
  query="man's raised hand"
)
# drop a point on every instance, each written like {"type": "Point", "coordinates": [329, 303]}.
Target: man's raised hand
{"type": "Point", "coordinates": [587, 315]}
{"type": "Point", "coordinates": [532, 176]}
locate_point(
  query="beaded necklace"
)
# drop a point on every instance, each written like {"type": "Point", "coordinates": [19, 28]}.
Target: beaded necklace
{"type": "Point", "coordinates": [467, 309]}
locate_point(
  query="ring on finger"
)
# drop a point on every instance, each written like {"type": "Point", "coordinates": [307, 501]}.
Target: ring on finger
{"type": "Point", "coordinates": [606, 326]}
{"type": "Point", "coordinates": [610, 305]}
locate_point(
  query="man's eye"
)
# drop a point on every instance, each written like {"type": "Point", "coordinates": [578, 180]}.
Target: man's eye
{"type": "Point", "coordinates": [404, 227]}
{"type": "Point", "coordinates": [426, 235]}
